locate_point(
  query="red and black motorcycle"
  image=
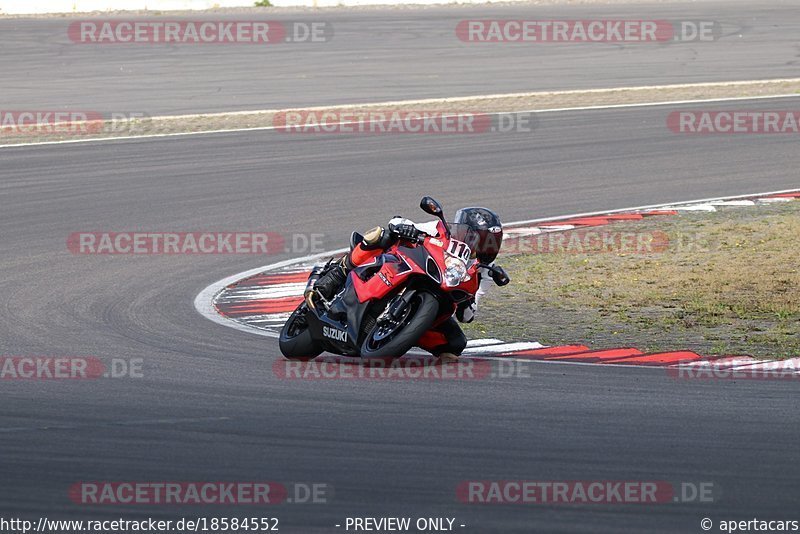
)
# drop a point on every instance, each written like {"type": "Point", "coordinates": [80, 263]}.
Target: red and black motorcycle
{"type": "Point", "coordinates": [387, 305]}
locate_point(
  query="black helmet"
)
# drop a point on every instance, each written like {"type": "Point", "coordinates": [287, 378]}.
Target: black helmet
{"type": "Point", "coordinates": [481, 230]}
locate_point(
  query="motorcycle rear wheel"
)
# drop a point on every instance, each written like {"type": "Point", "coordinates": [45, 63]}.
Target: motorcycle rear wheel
{"type": "Point", "coordinates": [295, 340]}
{"type": "Point", "coordinates": [423, 309]}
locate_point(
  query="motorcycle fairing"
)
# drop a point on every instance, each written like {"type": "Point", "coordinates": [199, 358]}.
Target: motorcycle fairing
{"type": "Point", "coordinates": [318, 321]}
{"type": "Point", "coordinates": [383, 275]}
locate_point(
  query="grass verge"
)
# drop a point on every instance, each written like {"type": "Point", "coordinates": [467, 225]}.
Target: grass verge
{"type": "Point", "coordinates": [726, 283]}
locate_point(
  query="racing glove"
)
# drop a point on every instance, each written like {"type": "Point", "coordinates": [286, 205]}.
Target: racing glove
{"type": "Point", "coordinates": [406, 231]}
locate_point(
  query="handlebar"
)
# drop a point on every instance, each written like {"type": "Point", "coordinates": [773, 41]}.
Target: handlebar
{"type": "Point", "coordinates": [498, 274]}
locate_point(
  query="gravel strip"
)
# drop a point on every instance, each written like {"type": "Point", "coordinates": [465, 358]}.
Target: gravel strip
{"type": "Point", "coordinates": [537, 101]}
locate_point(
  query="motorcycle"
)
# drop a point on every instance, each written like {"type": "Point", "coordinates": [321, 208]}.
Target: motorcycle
{"type": "Point", "coordinates": [387, 305]}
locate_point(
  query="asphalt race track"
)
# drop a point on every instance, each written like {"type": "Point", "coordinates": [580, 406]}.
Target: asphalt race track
{"type": "Point", "coordinates": [380, 55]}
{"type": "Point", "coordinates": [210, 408]}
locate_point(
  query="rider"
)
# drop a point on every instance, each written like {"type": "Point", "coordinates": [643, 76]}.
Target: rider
{"type": "Point", "coordinates": [484, 231]}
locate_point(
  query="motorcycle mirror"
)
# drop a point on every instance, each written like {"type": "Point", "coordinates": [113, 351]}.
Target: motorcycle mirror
{"type": "Point", "coordinates": [429, 205]}
{"type": "Point", "coordinates": [500, 276]}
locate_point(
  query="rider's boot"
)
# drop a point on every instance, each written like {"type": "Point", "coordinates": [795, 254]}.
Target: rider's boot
{"type": "Point", "coordinates": [332, 281]}
{"type": "Point", "coordinates": [448, 357]}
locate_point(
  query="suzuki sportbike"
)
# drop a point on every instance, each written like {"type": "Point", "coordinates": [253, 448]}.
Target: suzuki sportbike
{"type": "Point", "coordinates": [387, 305]}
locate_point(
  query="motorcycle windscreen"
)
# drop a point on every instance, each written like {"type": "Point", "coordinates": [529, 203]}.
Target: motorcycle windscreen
{"type": "Point", "coordinates": [479, 241]}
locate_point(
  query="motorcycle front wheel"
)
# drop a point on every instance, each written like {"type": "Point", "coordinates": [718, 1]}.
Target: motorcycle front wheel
{"type": "Point", "coordinates": [295, 340]}
{"type": "Point", "coordinates": [392, 340]}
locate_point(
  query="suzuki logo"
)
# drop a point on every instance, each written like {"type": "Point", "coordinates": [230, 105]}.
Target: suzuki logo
{"type": "Point", "coordinates": [334, 333]}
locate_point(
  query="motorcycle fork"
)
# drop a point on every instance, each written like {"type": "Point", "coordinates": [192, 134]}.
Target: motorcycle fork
{"type": "Point", "coordinates": [397, 307]}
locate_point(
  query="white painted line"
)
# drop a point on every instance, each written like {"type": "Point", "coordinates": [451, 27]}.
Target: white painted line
{"type": "Point", "coordinates": [495, 96]}
{"type": "Point", "coordinates": [529, 94]}
{"type": "Point", "coordinates": [733, 203]}
{"type": "Point", "coordinates": [268, 318]}
{"type": "Point", "coordinates": [505, 347]}
{"type": "Point", "coordinates": [523, 231]}
{"type": "Point", "coordinates": [271, 292]}
{"type": "Point", "coordinates": [554, 227]}
{"type": "Point", "coordinates": [483, 342]}
{"type": "Point", "coordinates": [134, 137]}
{"type": "Point", "coordinates": [775, 199]}
{"type": "Point", "coordinates": [651, 104]}
{"type": "Point", "coordinates": [491, 113]}
{"type": "Point", "coordinates": [694, 207]}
